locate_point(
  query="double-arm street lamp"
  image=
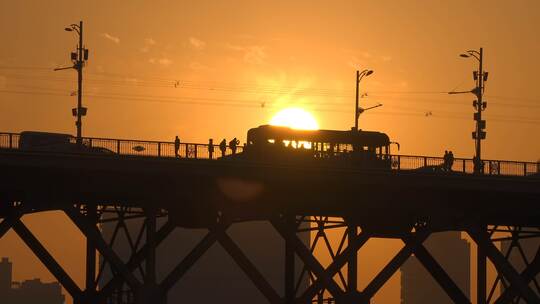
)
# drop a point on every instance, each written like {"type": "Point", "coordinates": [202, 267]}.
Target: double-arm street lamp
{"type": "Point", "coordinates": [357, 109]}
{"type": "Point", "coordinates": [78, 58]}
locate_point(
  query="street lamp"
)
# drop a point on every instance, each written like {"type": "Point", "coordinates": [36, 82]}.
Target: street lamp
{"type": "Point", "coordinates": [359, 76]}
{"type": "Point", "coordinates": [480, 77]}
{"type": "Point", "coordinates": [78, 58]}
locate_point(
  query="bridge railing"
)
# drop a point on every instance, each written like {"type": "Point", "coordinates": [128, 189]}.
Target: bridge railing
{"type": "Point", "coordinates": [203, 151]}
{"type": "Point", "coordinates": [9, 140]}
{"type": "Point", "coordinates": [156, 148]}
{"type": "Point", "coordinates": [464, 165]}
{"type": "Point", "coordinates": [135, 147]}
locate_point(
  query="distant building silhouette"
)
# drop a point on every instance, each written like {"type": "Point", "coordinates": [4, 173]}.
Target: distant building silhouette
{"type": "Point", "coordinates": [530, 246]}
{"type": "Point", "coordinates": [6, 273]}
{"type": "Point", "coordinates": [215, 278]}
{"type": "Point", "coordinates": [28, 292]}
{"type": "Point", "coordinates": [453, 254]}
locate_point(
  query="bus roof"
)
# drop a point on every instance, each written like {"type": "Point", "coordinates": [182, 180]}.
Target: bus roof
{"type": "Point", "coordinates": [365, 138]}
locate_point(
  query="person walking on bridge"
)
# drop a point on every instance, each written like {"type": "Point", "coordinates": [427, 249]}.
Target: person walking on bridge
{"type": "Point", "coordinates": [445, 161]}
{"type": "Point", "coordinates": [233, 144]}
{"type": "Point", "coordinates": [211, 148]}
{"type": "Point", "coordinates": [176, 146]}
{"type": "Point", "coordinates": [223, 147]}
{"type": "Point", "coordinates": [450, 160]}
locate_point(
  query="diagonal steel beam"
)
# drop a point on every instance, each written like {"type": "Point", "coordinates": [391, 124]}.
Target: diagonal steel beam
{"type": "Point", "coordinates": [503, 266]}
{"type": "Point", "coordinates": [338, 263]}
{"type": "Point", "coordinates": [439, 274]}
{"type": "Point", "coordinates": [48, 260]}
{"type": "Point", "coordinates": [193, 256]}
{"type": "Point", "coordinates": [307, 257]}
{"type": "Point", "coordinates": [7, 223]}
{"type": "Point", "coordinates": [247, 266]}
{"type": "Point", "coordinates": [93, 234]}
{"type": "Point", "coordinates": [528, 275]}
{"type": "Point", "coordinates": [135, 261]}
{"type": "Point", "coordinates": [386, 273]}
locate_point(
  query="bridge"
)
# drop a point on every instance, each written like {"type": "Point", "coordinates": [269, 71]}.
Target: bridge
{"type": "Point", "coordinates": [200, 189]}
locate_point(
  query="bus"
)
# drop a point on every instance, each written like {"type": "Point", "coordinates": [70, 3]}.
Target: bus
{"type": "Point", "coordinates": [367, 149]}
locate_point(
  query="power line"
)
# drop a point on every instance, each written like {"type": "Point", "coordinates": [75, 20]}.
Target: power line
{"type": "Point", "coordinates": [251, 88]}
{"type": "Point", "coordinates": [3, 67]}
{"type": "Point", "coordinates": [251, 104]}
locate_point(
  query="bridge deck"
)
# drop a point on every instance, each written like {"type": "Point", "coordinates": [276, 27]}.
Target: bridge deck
{"type": "Point", "coordinates": [159, 149]}
{"type": "Point", "coordinates": [195, 191]}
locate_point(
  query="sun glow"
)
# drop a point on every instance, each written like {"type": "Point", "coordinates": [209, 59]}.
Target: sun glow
{"type": "Point", "coordinates": [295, 118]}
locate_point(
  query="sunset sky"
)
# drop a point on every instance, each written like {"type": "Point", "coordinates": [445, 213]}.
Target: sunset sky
{"type": "Point", "coordinates": [214, 69]}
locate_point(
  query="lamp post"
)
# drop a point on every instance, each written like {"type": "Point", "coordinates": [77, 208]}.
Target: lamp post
{"type": "Point", "coordinates": [78, 58]}
{"type": "Point", "coordinates": [480, 76]}
{"type": "Point", "coordinates": [359, 76]}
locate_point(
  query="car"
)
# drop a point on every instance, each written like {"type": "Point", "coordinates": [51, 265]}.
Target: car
{"type": "Point", "coordinates": [55, 142]}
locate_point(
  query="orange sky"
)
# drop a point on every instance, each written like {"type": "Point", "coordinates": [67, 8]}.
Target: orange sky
{"type": "Point", "coordinates": [230, 57]}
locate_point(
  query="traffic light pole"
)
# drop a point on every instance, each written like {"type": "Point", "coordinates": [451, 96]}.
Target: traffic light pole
{"type": "Point", "coordinates": [479, 105]}
{"type": "Point", "coordinates": [480, 124]}
{"type": "Point", "coordinates": [79, 67]}
{"type": "Point", "coordinates": [78, 58]}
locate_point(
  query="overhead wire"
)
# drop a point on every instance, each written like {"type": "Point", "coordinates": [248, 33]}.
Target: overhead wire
{"type": "Point", "coordinates": [120, 80]}
{"type": "Point", "coordinates": [251, 104]}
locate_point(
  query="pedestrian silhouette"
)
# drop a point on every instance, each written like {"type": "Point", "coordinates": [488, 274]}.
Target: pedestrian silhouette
{"type": "Point", "coordinates": [450, 160]}
{"type": "Point", "coordinates": [176, 146]}
{"type": "Point", "coordinates": [223, 147]}
{"type": "Point", "coordinates": [211, 148]}
{"type": "Point", "coordinates": [233, 144]}
{"type": "Point", "coordinates": [445, 161]}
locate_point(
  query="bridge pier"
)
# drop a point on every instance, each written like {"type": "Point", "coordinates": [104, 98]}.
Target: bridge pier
{"type": "Point", "coordinates": [290, 269]}
{"type": "Point", "coordinates": [481, 273]}
{"type": "Point", "coordinates": [352, 264]}
{"type": "Point", "coordinates": [91, 284]}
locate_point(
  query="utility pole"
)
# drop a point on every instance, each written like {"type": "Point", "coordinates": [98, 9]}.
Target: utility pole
{"type": "Point", "coordinates": [480, 76]}
{"type": "Point", "coordinates": [480, 106]}
{"type": "Point", "coordinates": [78, 58]}
{"type": "Point", "coordinates": [79, 66]}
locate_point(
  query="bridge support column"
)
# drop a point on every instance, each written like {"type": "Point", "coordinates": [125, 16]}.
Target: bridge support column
{"type": "Point", "coordinates": [90, 284]}
{"type": "Point", "coordinates": [528, 274]}
{"type": "Point", "coordinates": [518, 282]}
{"type": "Point", "coordinates": [113, 291]}
{"type": "Point", "coordinates": [149, 292]}
{"type": "Point", "coordinates": [290, 288]}
{"type": "Point", "coordinates": [481, 273]}
{"type": "Point", "coordinates": [517, 245]}
{"type": "Point", "coordinates": [92, 233]}
{"type": "Point", "coordinates": [352, 264]}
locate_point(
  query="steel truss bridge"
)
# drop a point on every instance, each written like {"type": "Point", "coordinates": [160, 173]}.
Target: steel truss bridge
{"type": "Point", "coordinates": [142, 179]}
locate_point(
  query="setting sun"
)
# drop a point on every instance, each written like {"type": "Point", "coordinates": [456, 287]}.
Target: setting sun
{"type": "Point", "coordinates": [295, 118]}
